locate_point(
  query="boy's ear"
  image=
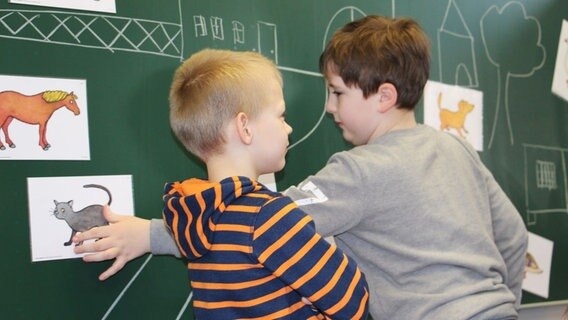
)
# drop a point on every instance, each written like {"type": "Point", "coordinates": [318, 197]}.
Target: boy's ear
{"type": "Point", "coordinates": [243, 130]}
{"type": "Point", "coordinates": [387, 97]}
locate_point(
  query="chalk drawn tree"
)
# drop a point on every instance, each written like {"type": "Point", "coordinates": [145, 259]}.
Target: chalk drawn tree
{"type": "Point", "coordinates": [502, 30]}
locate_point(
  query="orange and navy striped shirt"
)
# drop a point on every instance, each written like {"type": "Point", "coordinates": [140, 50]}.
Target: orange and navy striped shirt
{"type": "Point", "coordinates": [252, 254]}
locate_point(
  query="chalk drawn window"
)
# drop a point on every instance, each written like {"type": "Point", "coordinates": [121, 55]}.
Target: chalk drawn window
{"type": "Point", "coordinates": [546, 175]}
{"type": "Point", "coordinates": [200, 26]}
{"type": "Point", "coordinates": [217, 28]}
{"type": "Point", "coordinates": [238, 32]}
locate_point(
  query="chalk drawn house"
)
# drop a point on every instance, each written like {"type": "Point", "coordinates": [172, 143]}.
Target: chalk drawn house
{"type": "Point", "coordinates": [545, 181]}
{"type": "Point", "coordinates": [456, 49]}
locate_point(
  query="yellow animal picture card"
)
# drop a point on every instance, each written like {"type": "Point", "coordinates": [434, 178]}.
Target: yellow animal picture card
{"type": "Point", "coordinates": [560, 80]}
{"type": "Point", "coordinates": [456, 110]}
{"type": "Point", "coordinates": [43, 119]}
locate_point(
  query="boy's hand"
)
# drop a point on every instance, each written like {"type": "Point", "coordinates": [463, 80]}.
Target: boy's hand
{"type": "Point", "coordinates": [126, 238]}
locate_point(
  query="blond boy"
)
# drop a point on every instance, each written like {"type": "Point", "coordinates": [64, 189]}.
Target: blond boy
{"type": "Point", "coordinates": [251, 252]}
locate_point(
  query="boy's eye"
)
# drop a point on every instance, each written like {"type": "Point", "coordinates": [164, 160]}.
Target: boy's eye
{"type": "Point", "coordinates": [334, 92]}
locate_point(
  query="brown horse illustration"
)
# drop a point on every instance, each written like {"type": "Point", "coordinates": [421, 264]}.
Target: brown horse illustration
{"type": "Point", "coordinates": [35, 109]}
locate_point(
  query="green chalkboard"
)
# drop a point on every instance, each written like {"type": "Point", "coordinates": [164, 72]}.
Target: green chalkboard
{"type": "Point", "coordinates": [506, 49]}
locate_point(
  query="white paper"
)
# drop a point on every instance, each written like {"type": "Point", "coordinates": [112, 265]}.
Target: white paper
{"type": "Point", "coordinates": [537, 270]}
{"type": "Point", "coordinates": [560, 80]}
{"type": "Point", "coordinates": [48, 233]}
{"type": "Point", "coordinates": [66, 132]}
{"type": "Point", "coordinates": [89, 5]}
{"type": "Point", "coordinates": [269, 180]}
{"type": "Point", "coordinates": [456, 110]}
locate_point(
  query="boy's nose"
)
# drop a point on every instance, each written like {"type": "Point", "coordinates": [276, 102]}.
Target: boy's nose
{"type": "Point", "coordinates": [289, 128]}
{"type": "Point", "coordinates": [329, 107]}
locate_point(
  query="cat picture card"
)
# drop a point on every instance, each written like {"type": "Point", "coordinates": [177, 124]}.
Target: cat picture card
{"type": "Point", "coordinates": [456, 110]}
{"type": "Point", "coordinates": [59, 207]}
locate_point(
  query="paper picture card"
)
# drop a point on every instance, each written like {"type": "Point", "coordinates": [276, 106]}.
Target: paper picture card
{"type": "Point", "coordinates": [60, 205]}
{"type": "Point", "coordinates": [560, 79]}
{"type": "Point", "coordinates": [538, 264]}
{"type": "Point", "coordinates": [456, 110]}
{"type": "Point", "coordinates": [59, 132]}
{"type": "Point", "coordinates": [89, 5]}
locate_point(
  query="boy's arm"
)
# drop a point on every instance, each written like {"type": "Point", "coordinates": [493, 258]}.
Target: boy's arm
{"type": "Point", "coordinates": [331, 217]}
{"type": "Point", "coordinates": [510, 235]}
{"type": "Point", "coordinates": [323, 196]}
{"type": "Point", "coordinates": [285, 242]}
{"type": "Point", "coordinates": [329, 213]}
{"type": "Point", "coordinates": [161, 239]}
{"type": "Point", "coordinates": [509, 230]}
{"type": "Point", "coordinates": [336, 196]}
{"type": "Point", "coordinates": [124, 239]}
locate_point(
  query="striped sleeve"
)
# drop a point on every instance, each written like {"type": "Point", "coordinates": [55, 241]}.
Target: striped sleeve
{"type": "Point", "coordinates": [188, 229]}
{"type": "Point", "coordinates": [285, 242]}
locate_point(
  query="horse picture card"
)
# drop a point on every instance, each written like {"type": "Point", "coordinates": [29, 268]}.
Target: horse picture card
{"type": "Point", "coordinates": [43, 118]}
{"type": "Point", "coordinates": [59, 207]}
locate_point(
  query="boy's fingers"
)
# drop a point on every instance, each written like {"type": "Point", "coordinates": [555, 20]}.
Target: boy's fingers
{"type": "Point", "coordinates": [80, 249]}
{"type": "Point", "coordinates": [93, 257]}
{"type": "Point", "coordinates": [114, 268]}
{"type": "Point", "coordinates": [110, 216]}
{"type": "Point", "coordinates": [95, 233]}
{"type": "Point", "coordinates": [101, 255]}
{"type": "Point", "coordinates": [96, 246]}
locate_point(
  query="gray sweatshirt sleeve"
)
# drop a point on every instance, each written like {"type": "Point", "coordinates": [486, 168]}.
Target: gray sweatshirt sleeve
{"type": "Point", "coordinates": [161, 240]}
{"type": "Point", "coordinates": [509, 231]}
{"type": "Point", "coordinates": [510, 235]}
{"type": "Point", "coordinates": [335, 196]}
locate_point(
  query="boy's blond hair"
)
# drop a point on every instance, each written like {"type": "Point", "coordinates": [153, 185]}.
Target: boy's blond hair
{"type": "Point", "coordinates": [212, 87]}
{"type": "Point", "coordinates": [375, 50]}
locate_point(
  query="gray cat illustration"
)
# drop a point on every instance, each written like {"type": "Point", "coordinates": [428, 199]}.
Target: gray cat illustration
{"type": "Point", "coordinates": [84, 219]}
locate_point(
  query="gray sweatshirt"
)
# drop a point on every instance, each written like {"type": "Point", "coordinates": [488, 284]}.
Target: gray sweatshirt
{"type": "Point", "coordinates": [425, 220]}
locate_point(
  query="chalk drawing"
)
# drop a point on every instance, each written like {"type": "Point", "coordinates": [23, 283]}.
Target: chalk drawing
{"type": "Point", "coordinates": [545, 181]}
{"type": "Point", "coordinates": [59, 27]}
{"type": "Point", "coordinates": [459, 62]}
{"type": "Point", "coordinates": [490, 28]}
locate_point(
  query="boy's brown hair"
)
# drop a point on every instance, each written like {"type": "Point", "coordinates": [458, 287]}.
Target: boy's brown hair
{"type": "Point", "coordinates": [375, 50]}
{"type": "Point", "coordinates": [212, 87]}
